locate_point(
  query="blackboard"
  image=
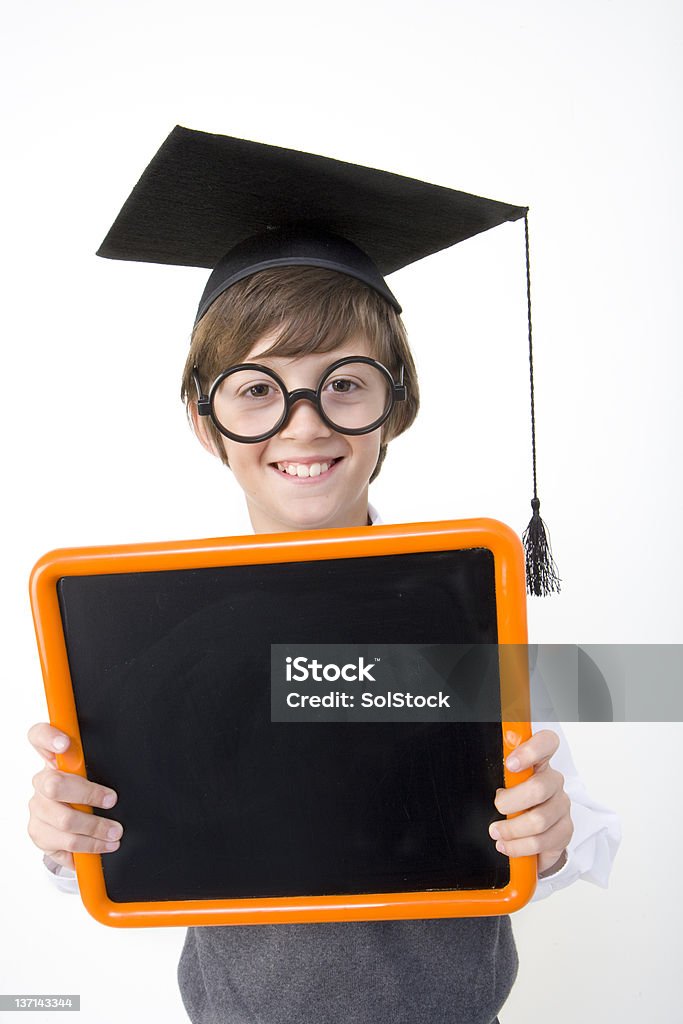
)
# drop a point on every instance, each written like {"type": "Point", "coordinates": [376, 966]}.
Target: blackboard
{"type": "Point", "coordinates": [170, 676]}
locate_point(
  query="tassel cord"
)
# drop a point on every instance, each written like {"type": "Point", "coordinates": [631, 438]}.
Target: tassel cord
{"type": "Point", "coordinates": [541, 571]}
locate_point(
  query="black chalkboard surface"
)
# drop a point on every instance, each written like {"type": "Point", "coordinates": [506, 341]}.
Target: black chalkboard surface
{"type": "Point", "coordinates": [170, 673]}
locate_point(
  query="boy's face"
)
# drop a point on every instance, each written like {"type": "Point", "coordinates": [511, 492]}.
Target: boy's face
{"type": "Point", "coordinates": [277, 499]}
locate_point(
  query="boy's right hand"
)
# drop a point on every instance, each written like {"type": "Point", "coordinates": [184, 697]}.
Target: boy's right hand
{"type": "Point", "coordinates": [56, 827]}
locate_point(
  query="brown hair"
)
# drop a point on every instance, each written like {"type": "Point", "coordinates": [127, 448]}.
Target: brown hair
{"type": "Point", "coordinates": [308, 309]}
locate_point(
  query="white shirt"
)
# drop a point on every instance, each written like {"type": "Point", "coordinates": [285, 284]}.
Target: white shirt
{"type": "Point", "coordinates": [591, 850]}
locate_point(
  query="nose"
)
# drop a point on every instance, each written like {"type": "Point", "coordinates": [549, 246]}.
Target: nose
{"type": "Point", "coordinates": [304, 421]}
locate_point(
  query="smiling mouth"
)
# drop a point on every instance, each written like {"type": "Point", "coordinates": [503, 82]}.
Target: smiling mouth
{"type": "Point", "coordinates": [305, 470]}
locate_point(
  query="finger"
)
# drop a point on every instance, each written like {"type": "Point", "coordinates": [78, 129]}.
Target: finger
{"type": "Point", "coordinates": [72, 789]}
{"type": "Point", "coordinates": [52, 841]}
{"type": "Point", "coordinates": [65, 818]}
{"type": "Point", "coordinates": [48, 741]}
{"type": "Point", "coordinates": [554, 838]}
{"type": "Point", "coordinates": [540, 787]}
{"type": "Point", "coordinates": [533, 822]}
{"type": "Point", "coordinates": [534, 752]}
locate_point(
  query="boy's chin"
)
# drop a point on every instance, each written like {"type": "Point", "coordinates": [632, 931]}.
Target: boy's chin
{"type": "Point", "coordinates": [311, 521]}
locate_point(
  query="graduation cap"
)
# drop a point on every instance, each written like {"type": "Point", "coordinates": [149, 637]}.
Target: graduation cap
{"type": "Point", "coordinates": [239, 207]}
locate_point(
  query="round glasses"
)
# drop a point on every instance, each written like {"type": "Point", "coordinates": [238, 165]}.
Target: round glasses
{"type": "Point", "coordinates": [250, 403]}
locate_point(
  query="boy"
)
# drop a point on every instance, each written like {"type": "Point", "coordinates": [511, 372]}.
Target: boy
{"type": "Point", "coordinates": [294, 380]}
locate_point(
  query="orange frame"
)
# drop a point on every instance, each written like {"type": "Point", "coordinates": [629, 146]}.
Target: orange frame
{"type": "Point", "coordinates": [294, 547]}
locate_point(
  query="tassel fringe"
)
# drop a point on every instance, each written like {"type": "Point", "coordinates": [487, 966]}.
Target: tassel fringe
{"type": "Point", "coordinates": [542, 576]}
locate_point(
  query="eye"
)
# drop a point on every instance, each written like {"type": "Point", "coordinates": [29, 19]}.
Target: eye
{"type": "Point", "coordinates": [258, 389]}
{"type": "Point", "coordinates": [342, 386]}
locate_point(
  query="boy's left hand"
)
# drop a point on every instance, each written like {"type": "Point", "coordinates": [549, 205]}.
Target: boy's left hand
{"type": "Point", "coordinates": [544, 825]}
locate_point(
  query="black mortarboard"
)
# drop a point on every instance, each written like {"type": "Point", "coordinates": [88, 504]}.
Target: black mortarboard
{"type": "Point", "coordinates": [238, 207]}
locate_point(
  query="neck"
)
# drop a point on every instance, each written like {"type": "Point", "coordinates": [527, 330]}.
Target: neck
{"type": "Point", "coordinates": [263, 522]}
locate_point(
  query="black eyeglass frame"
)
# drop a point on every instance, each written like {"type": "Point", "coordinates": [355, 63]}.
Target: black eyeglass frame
{"type": "Point", "coordinates": [205, 403]}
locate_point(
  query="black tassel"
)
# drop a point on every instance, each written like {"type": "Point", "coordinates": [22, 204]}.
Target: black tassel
{"type": "Point", "coordinates": [542, 577]}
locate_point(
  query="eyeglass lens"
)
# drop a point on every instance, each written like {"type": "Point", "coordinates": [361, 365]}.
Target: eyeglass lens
{"type": "Point", "coordinates": [249, 402]}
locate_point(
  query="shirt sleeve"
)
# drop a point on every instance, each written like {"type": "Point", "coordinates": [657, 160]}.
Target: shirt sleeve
{"type": "Point", "coordinates": [597, 830]}
{"type": "Point", "coordinates": [62, 878]}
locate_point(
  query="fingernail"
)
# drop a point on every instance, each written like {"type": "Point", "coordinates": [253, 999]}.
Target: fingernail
{"type": "Point", "coordinates": [60, 743]}
{"type": "Point", "coordinates": [109, 847]}
{"type": "Point", "coordinates": [114, 832]}
{"type": "Point", "coordinates": [500, 847]}
{"type": "Point", "coordinates": [513, 763]}
{"type": "Point", "coordinates": [493, 832]}
{"type": "Point", "coordinates": [109, 800]}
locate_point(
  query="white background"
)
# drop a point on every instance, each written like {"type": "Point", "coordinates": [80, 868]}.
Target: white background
{"type": "Point", "coordinates": [571, 109]}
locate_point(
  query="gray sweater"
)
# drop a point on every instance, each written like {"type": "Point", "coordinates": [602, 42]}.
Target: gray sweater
{"type": "Point", "coordinates": [447, 971]}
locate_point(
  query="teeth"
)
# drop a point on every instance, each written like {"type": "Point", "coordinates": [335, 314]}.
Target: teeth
{"type": "Point", "coordinates": [299, 470]}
